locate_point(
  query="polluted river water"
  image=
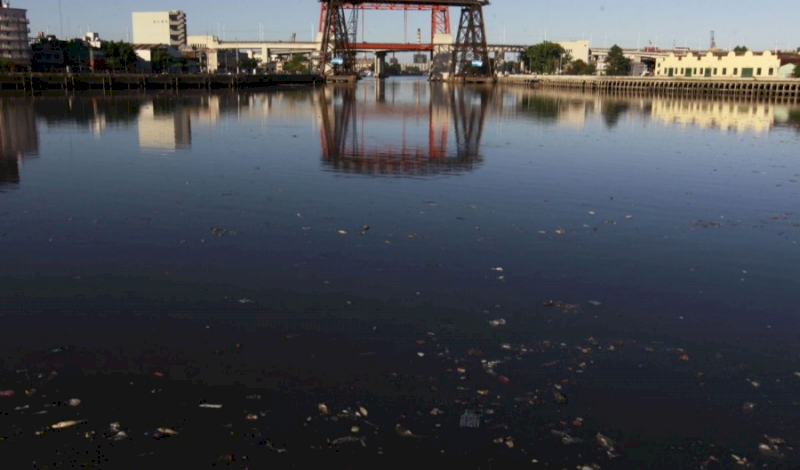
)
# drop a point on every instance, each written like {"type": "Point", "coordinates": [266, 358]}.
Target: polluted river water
{"type": "Point", "coordinates": [399, 272]}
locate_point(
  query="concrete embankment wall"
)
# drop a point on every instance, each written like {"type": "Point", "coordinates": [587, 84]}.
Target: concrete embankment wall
{"type": "Point", "coordinates": [31, 82]}
{"type": "Point", "coordinates": [786, 89]}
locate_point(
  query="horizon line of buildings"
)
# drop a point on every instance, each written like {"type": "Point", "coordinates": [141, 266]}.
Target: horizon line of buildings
{"type": "Point", "coordinates": [168, 30]}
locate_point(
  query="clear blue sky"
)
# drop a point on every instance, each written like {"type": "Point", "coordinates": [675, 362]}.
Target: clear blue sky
{"type": "Point", "coordinates": [625, 22]}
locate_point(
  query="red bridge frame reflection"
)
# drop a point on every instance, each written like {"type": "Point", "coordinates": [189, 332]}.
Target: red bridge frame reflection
{"type": "Point", "coordinates": [457, 109]}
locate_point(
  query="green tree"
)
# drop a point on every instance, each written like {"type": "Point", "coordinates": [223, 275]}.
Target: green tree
{"type": "Point", "coordinates": [248, 64]}
{"type": "Point", "coordinates": [740, 49]}
{"type": "Point", "coordinates": [298, 63]}
{"type": "Point", "coordinates": [579, 67]}
{"type": "Point", "coordinates": [161, 60]}
{"type": "Point", "coordinates": [545, 57]}
{"type": "Point", "coordinates": [616, 62]}
{"type": "Point", "coordinates": [796, 73]}
{"type": "Point", "coordinates": [119, 55]}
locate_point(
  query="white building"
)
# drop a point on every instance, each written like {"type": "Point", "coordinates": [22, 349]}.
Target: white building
{"type": "Point", "coordinates": [160, 27]}
{"type": "Point", "coordinates": [577, 49]}
{"type": "Point", "coordinates": [14, 45]}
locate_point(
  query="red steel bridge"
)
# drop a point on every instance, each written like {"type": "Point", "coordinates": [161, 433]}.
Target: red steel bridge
{"type": "Point", "coordinates": [467, 58]}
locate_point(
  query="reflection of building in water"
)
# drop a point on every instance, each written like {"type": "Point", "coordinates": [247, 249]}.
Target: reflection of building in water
{"type": "Point", "coordinates": [724, 115]}
{"type": "Point", "coordinates": [18, 138]}
{"type": "Point", "coordinates": [388, 136]}
{"type": "Point", "coordinates": [162, 125]}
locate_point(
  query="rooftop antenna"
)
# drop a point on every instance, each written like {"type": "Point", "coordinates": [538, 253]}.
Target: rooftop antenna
{"type": "Point", "coordinates": [713, 43]}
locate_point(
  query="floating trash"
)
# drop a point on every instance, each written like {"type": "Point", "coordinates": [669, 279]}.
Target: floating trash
{"type": "Point", "coordinates": [349, 440]}
{"type": "Point", "coordinates": [470, 420]}
{"type": "Point", "coordinates": [212, 406]}
{"type": "Point", "coordinates": [403, 432]}
{"type": "Point", "coordinates": [498, 322]}
{"type": "Point", "coordinates": [323, 408]}
{"type": "Point", "coordinates": [770, 451]}
{"type": "Point", "coordinates": [74, 402]}
{"type": "Point", "coordinates": [66, 424]}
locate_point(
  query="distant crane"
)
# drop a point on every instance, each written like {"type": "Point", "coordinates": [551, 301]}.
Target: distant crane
{"type": "Point", "coordinates": [713, 43]}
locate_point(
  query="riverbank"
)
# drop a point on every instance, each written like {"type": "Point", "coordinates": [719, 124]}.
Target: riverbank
{"type": "Point", "coordinates": [35, 82]}
{"type": "Point", "coordinates": [784, 89]}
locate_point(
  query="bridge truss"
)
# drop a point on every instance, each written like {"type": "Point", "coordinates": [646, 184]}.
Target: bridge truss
{"type": "Point", "coordinates": [339, 29]}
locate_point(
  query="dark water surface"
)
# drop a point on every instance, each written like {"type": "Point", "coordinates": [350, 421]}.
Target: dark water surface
{"type": "Point", "coordinates": [357, 242]}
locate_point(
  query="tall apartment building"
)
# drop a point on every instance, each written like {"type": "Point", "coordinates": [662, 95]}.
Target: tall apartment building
{"type": "Point", "coordinates": [160, 27]}
{"type": "Point", "coordinates": [14, 45]}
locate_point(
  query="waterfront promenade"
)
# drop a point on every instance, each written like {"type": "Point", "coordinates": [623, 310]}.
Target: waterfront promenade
{"type": "Point", "coordinates": [780, 89]}
{"type": "Point", "coordinates": [32, 82]}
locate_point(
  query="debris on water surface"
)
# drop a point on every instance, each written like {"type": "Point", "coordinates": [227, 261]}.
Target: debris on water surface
{"type": "Point", "coordinates": [498, 322]}
{"type": "Point", "coordinates": [754, 383]}
{"type": "Point", "coordinates": [213, 406]}
{"type": "Point", "coordinates": [66, 424]}
{"type": "Point", "coordinates": [323, 408]}
{"type": "Point", "coordinates": [770, 451]}
{"type": "Point", "coordinates": [245, 301]}
{"type": "Point", "coordinates": [341, 232]}
{"type": "Point", "coordinates": [470, 420]}
{"type": "Point", "coordinates": [403, 432]}
{"type": "Point", "coordinates": [498, 269]}
{"type": "Point", "coordinates": [364, 229]}
{"type": "Point", "coordinates": [348, 440]}
{"type": "Point", "coordinates": [596, 303]}
{"type": "Point", "coordinates": [559, 398]}
{"type": "Point", "coordinates": [355, 429]}
{"type": "Point", "coordinates": [605, 442]}
{"type": "Point", "coordinates": [363, 411]}
{"type": "Point", "coordinates": [797, 374]}
{"type": "Point", "coordinates": [167, 431]}
{"type": "Point", "coordinates": [74, 402]}
{"type": "Point", "coordinates": [6, 393]}
{"type": "Point", "coordinates": [748, 406]}
{"type": "Point", "coordinates": [776, 441]}
{"type": "Point", "coordinates": [740, 460]}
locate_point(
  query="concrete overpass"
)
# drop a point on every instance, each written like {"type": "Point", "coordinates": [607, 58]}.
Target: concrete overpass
{"type": "Point", "coordinates": [211, 47]}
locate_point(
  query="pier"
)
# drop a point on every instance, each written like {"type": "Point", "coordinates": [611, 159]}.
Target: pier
{"type": "Point", "coordinates": [771, 89]}
{"type": "Point", "coordinates": [36, 82]}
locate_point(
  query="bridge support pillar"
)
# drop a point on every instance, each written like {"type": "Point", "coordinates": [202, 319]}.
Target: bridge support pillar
{"type": "Point", "coordinates": [212, 60]}
{"type": "Point", "coordinates": [442, 56]}
{"type": "Point", "coordinates": [471, 59]}
{"type": "Point", "coordinates": [380, 65]}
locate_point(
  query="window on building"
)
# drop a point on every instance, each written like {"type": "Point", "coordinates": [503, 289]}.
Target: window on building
{"type": "Point", "coordinates": [736, 71]}
{"type": "Point", "coordinates": [715, 71]}
{"type": "Point", "coordinates": [758, 71]}
{"type": "Point", "coordinates": [724, 71]}
{"type": "Point", "coordinates": [771, 71]}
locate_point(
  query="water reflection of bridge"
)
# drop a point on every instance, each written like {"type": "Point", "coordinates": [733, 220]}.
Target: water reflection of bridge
{"type": "Point", "coordinates": [403, 138]}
